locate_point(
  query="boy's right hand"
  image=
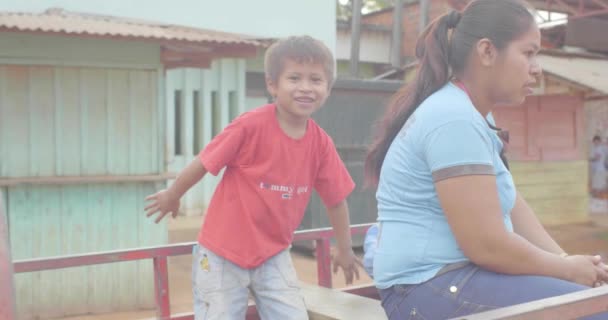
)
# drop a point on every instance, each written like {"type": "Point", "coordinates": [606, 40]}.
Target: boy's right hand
{"type": "Point", "coordinates": [164, 202]}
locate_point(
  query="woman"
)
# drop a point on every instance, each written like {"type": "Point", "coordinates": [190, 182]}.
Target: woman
{"type": "Point", "coordinates": [455, 236]}
{"type": "Point", "coordinates": [598, 168]}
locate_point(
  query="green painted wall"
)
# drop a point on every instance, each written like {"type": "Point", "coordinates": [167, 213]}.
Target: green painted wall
{"type": "Point", "coordinates": [50, 221]}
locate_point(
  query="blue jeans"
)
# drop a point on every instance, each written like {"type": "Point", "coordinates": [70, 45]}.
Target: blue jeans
{"type": "Point", "coordinates": [221, 288]}
{"type": "Point", "coordinates": [469, 290]}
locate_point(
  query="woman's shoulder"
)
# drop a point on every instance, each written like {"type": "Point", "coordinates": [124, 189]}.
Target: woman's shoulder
{"type": "Point", "coordinates": [448, 104]}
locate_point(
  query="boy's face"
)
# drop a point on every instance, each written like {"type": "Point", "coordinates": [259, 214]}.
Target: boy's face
{"type": "Point", "coordinates": [301, 88]}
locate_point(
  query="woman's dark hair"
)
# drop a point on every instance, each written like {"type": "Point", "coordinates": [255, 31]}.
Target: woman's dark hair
{"type": "Point", "coordinates": [441, 55]}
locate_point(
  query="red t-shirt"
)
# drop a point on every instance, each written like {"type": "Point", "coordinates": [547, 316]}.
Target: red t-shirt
{"type": "Point", "coordinates": [266, 186]}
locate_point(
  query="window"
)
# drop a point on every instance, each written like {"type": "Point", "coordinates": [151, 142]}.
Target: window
{"type": "Point", "coordinates": [216, 113]}
{"type": "Point", "coordinates": [179, 128]}
{"type": "Point", "coordinates": [197, 123]}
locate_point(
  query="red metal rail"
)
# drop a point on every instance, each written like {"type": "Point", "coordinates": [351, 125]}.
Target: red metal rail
{"type": "Point", "coordinates": [159, 256]}
{"type": "Point", "coordinates": [7, 307]}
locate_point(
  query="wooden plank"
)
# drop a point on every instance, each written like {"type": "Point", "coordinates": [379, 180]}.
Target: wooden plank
{"type": "Point", "coordinates": [17, 141]}
{"type": "Point", "coordinates": [190, 84]}
{"type": "Point", "coordinates": [549, 177]}
{"type": "Point", "coordinates": [207, 85]}
{"type": "Point", "coordinates": [328, 304]}
{"type": "Point", "coordinates": [142, 149]}
{"type": "Point", "coordinates": [525, 167]}
{"type": "Point", "coordinates": [241, 88]}
{"type": "Point", "coordinates": [193, 201]}
{"type": "Point", "coordinates": [94, 122]}
{"type": "Point", "coordinates": [47, 234]}
{"type": "Point", "coordinates": [68, 122]}
{"type": "Point", "coordinates": [118, 130]}
{"type": "Point", "coordinates": [552, 190]}
{"type": "Point", "coordinates": [4, 152]}
{"type": "Point", "coordinates": [74, 220]}
{"type": "Point", "coordinates": [101, 226]}
{"type": "Point", "coordinates": [160, 119]}
{"type": "Point", "coordinates": [568, 306]}
{"type": "Point", "coordinates": [149, 234]}
{"type": "Point", "coordinates": [22, 220]}
{"type": "Point", "coordinates": [124, 212]}
{"type": "Point", "coordinates": [152, 124]}
{"type": "Point", "coordinates": [42, 129]}
{"type": "Point", "coordinates": [85, 179]}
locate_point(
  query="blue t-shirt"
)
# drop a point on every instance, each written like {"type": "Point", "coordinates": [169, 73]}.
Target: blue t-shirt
{"type": "Point", "coordinates": [445, 137]}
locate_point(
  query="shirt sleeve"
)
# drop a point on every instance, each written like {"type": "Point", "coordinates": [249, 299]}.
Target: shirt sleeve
{"type": "Point", "coordinates": [223, 149]}
{"type": "Point", "coordinates": [333, 182]}
{"type": "Point", "coordinates": [459, 148]}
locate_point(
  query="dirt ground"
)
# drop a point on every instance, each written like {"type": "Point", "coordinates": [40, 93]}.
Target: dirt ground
{"type": "Point", "coordinates": [590, 238]}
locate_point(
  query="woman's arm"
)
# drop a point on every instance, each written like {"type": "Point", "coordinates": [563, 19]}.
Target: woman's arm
{"type": "Point", "coordinates": [527, 225]}
{"type": "Point", "coordinates": [472, 209]}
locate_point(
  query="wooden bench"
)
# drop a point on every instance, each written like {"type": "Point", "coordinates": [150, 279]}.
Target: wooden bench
{"type": "Point", "coordinates": [565, 307]}
{"type": "Point", "coordinates": [332, 304]}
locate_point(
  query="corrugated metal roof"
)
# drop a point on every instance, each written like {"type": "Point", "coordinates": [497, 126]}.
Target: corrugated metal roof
{"type": "Point", "coordinates": [591, 73]}
{"type": "Point", "coordinates": [57, 20]}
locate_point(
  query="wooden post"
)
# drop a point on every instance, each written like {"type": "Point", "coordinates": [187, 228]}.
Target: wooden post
{"type": "Point", "coordinates": [397, 34]}
{"type": "Point", "coordinates": [324, 262]}
{"type": "Point", "coordinates": [424, 15]}
{"type": "Point", "coordinates": [355, 38]}
{"type": "Point", "coordinates": [7, 288]}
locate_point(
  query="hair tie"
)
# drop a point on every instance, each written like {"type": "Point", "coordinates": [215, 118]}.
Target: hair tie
{"type": "Point", "coordinates": [453, 19]}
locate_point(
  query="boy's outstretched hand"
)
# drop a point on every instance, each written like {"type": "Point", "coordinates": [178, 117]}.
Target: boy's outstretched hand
{"type": "Point", "coordinates": [349, 262]}
{"type": "Point", "coordinates": [164, 202]}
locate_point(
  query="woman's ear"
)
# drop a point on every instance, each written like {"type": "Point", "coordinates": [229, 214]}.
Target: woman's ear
{"type": "Point", "coordinates": [486, 52]}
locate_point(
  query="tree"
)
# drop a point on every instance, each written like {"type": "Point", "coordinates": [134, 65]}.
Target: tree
{"type": "Point", "coordinates": [344, 7]}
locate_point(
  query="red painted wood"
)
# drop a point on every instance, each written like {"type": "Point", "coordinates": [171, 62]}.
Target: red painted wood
{"type": "Point", "coordinates": [324, 262]}
{"type": "Point", "coordinates": [544, 128]}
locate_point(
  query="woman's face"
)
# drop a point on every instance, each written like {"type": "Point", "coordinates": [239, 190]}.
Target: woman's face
{"type": "Point", "coordinates": [516, 68]}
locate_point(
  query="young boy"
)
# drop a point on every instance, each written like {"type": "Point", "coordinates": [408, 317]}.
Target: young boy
{"type": "Point", "coordinates": [274, 156]}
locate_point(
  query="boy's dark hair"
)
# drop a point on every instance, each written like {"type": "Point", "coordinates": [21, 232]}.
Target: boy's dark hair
{"type": "Point", "coordinates": [441, 56]}
{"type": "Point", "coordinates": [303, 49]}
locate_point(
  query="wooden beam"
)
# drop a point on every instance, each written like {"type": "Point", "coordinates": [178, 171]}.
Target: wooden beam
{"type": "Point", "coordinates": [566, 7]}
{"type": "Point", "coordinates": [182, 56]}
{"type": "Point", "coordinates": [84, 179]}
{"type": "Point", "coordinates": [234, 51]}
{"type": "Point", "coordinates": [548, 5]}
{"type": "Point", "coordinates": [601, 3]}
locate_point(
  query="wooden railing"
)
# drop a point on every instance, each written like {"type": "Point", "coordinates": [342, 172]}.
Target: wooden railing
{"type": "Point", "coordinates": [159, 256]}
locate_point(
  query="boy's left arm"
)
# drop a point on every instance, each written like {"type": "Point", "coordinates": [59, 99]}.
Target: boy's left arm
{"type": "Point", "coordinates": [344, 257]}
